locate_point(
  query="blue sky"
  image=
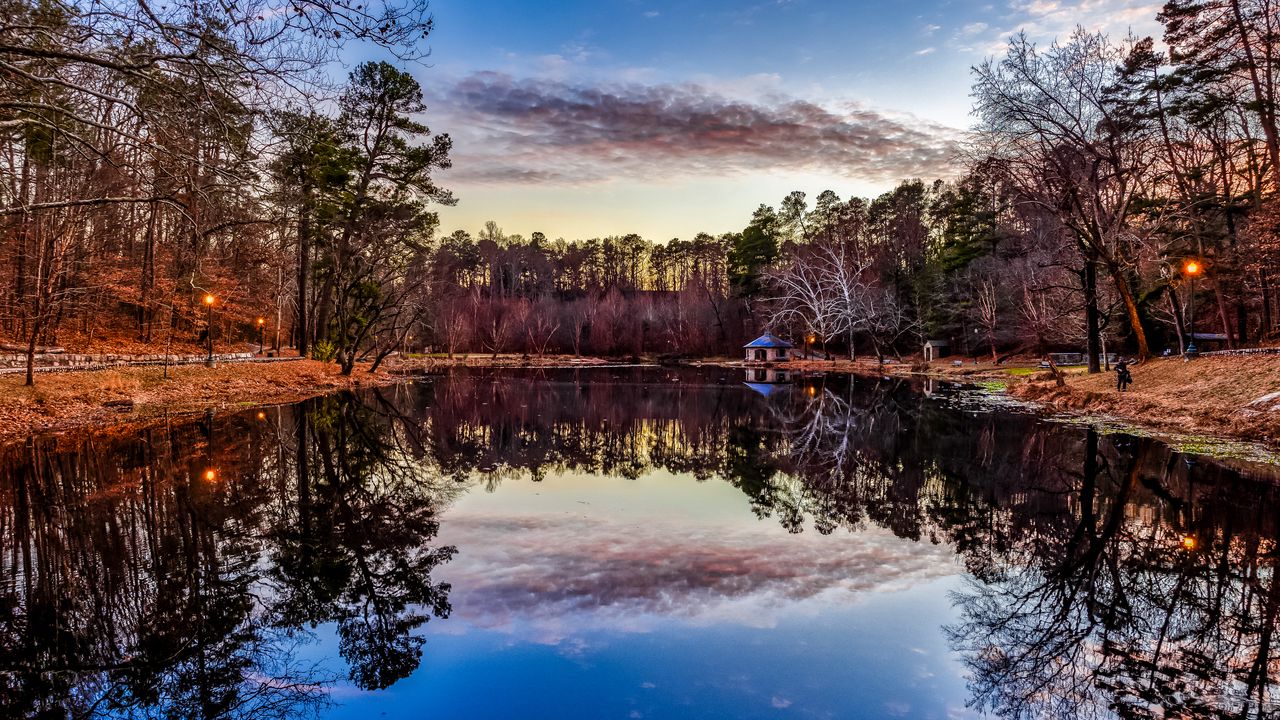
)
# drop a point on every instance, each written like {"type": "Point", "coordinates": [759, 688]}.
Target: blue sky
{"type": "Point", "coordinates": [583, 119]}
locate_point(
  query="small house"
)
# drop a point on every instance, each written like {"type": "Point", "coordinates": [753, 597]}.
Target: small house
{"type": "Point", "coordinates": [766, 348]}
{"type": "Point", "coordinates": [935, 349]}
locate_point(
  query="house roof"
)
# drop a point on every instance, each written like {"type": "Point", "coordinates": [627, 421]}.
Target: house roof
{"type": "Point", "coordinates": [938, 343]}
{"type": "Point", "coordinates": [768, 340]}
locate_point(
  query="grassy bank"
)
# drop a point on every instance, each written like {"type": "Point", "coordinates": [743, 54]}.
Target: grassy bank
{"type": "Point", "coordinates": [79, 399]}
{"type": "Point", "coordinates": [76, 400]}
{"type": "Point", "coordinates": [1228, 396]}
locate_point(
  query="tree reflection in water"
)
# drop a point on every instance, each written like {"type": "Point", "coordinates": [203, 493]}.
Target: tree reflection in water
{"type": "Point", "coordinates": [1110, 576]}
{"type": "Point", "coordinates": [170, 574]}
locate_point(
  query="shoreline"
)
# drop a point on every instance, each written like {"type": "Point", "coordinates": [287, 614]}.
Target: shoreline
{"type": "Point", "coordinates": [1220, 399]}
{"type": "Point", "coordinates": [1228, 398]}
{"type": "Point", "coordinates": [71, 400]}
{"type": "Point", "coordinates": [1232, 397]}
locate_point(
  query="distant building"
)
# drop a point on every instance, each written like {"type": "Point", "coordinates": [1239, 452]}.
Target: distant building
{"type": "Point", "coordinates": [1209, 341]}
{"type": "Point", "coordinates": [935, 349]}
{"type": "Point", "coordinates": [767, 347]}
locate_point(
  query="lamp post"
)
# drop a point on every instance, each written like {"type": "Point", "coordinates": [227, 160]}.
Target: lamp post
{"type": "Point", "coordinates": [1191, 269]}
{"type": "Point", "coordinates": [208, 302]}
{"type": "Point", "coordinates": [261, 323]}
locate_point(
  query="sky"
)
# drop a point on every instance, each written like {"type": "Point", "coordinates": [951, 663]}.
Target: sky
{"type": "Point", "coordinates": [584, 119]}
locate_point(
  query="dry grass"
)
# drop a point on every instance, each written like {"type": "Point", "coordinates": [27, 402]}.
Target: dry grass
{"type": "Point", "coordinates": [73, 400]}
{"type": "Point", "coordinates": [1207, 395]}
{"type": "Point", "coordinates": [67, 401]}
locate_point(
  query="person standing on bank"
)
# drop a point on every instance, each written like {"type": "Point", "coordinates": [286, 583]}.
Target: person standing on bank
{"type": "Point", "coordinates": [1123, 377]}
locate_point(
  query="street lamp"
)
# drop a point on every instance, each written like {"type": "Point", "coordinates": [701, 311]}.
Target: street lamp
{"type": "Point", "coordinates": [261, 323]}
{"type": "Point", "coordinates": [208, 302]}
{"type": "Point", "coordinates": [1191, 269]}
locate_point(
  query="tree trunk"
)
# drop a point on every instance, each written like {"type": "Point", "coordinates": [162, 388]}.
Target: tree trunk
{"type": "Point", "coordinates": [31, 354]}
{"type": "Point", "coordinates": [1265, 286]}
{"type": "Point", "coordinates": [1089, 281]}
{"type": "Point", "coordinates": [1262, 95]}
{"type": "Point", "coordinates": [304, 269]}
{"type": "Point", "coordinates": [1131, 311]}
{"type": "Point", "coordinates": [1177, 320]}
{"type": "Point", "coordinates": [1222, 310]}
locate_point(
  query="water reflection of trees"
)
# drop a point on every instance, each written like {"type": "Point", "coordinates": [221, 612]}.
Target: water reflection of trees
{"type": "Point", "coordinates": [173, 573]}
{"type": "Point", "coordinates": [1110, 576]}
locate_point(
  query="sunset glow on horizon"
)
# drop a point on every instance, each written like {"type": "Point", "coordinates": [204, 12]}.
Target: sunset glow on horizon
{"type": "Point", "coordinates": [584, 120]}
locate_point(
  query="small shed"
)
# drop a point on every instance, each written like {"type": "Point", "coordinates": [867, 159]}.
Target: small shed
{"type": "Point", "coordinates": [935, 349]}
{"type": "Point", "coordinates": [767, 347]}
{"type": "Point", "coordinates": [1209, 341]}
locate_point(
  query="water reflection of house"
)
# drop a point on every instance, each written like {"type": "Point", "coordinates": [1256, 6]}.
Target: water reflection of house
{"type": "Point", "coordinates": [767, 381]}
{"type": "Point", "coordinates": [767, 347]}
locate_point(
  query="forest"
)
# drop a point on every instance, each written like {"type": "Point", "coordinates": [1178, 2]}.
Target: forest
{"type": "Point", "coordinates": [174, 174]}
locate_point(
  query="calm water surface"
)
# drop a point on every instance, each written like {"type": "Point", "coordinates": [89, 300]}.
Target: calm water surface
{"type": "Point", "coordinates": [633, 543]}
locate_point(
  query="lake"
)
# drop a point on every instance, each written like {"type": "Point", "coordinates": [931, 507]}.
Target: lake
{"type": "Point", "coordinates": [634, 542]}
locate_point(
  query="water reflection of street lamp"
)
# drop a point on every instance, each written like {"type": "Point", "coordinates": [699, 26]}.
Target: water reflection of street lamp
{"type": "Point", "coordinates": [1188, 542]}
{"type": "Point", "coordinates": [261, 323]}
{"type": "Point", "coordinates": [1191, 270]}
{"type": "Point", "coordinates": [208, 302]}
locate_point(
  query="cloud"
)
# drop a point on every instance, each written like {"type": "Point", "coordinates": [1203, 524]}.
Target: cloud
{"type": "Point", "coordinates": [510, 130]}
{"type": "Point", "coordinates": [551, 580]}
{"type": "Point", "coordinates": [926, 51]}
{"type": "Point", "coordinates": [1044, 21]}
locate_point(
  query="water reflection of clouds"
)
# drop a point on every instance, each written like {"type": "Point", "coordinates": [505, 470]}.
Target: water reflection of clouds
{"type": "Point", "coordinates": [553, 579]}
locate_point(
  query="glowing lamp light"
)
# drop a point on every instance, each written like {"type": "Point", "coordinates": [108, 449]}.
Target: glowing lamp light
{"type": "Point", "coordinates": [262, 416]}
{"type": "Point", "coordinates": [261, 321]}
{"type": "Point", "coordinates": [1188, 542]}
{"type": "Point", "coordinates": [208, 299]}
{"type": "Point", "coordinates": [210, 474]}
{"type": "Point", "coordinates": [1192, 268]}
